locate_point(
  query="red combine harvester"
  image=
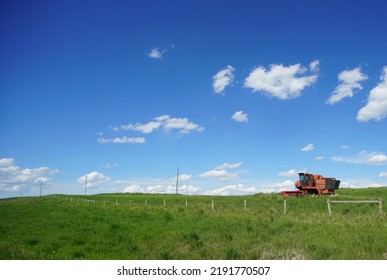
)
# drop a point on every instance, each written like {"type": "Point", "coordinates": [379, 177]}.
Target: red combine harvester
{"type": "Point", "coordinates": [313, 184]}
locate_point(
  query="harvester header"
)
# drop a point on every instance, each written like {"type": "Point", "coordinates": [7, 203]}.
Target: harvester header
{"type": "Point", "coordinates": [313, 184]}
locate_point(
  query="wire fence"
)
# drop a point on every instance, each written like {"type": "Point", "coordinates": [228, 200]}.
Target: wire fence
{"type": "Point", "coordinates": [274, 205]}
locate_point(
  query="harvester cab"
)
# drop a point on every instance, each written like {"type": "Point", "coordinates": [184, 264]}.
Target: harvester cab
{"type": "Point", "coordinates": [313, 184]}
{"type": "Point", "coordinates": [304, 180]}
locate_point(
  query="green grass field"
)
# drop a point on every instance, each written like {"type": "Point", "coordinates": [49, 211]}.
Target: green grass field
{"type": "Point", "coordinates": [141, 227]}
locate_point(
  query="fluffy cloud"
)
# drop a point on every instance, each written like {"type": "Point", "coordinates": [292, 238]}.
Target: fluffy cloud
{"type": "Point", "coordinates": [15, 179]}
{"type": "Point", "coordinates": [189, 189]}
{"type": "Point", "coordinates": [134, 188]}
{"type": "Point", "coordinates": [314, 66]}
{"type": "Point", "coordinates": [143, 128]}
{"type": "Point", "coordinates": [110, 165]}
{"type": "Point", "coordinates": [376, 107]}
{"type": "Point", "coordinates": [222, 79]}
{"type": "Point", "coordinates": [291, 173]}
{"type": "Point", "coordinates": [156, 53]}
{"type": "Point", "coordinates": [349, 83]}
{"type": "Point", "coordinates": [353, 184]}
{"type": "Point", "coordinates": [363, 157]}
{"type": "Point", "coordinates": [122, 140]}
{"type": "Point", "coordinates": [227, 165]}
{"type": "Point", "coordinates": [383, 174]}
{"type": "Point", "coordinates": [308, 148]}
{"type": "Point", "coordinates": [6, 162]}
{"type": "Point", "coordinates": [160, 188]}
{"type": "Point", "coordinates": [94, 179]}
{"type": "Point", "coordinates": [182, 178]}
{"type": "Point", "coordinates": [238, 189]}
{"type": "Point", "coordinates": [182, 125]}
{"type": "Point", "coordinates": [282, 82]}
{"type": "Point", "coordinates": [240, 116]}
{"type": "Point", "coordinates": [218, 174]}
{"type": "Point", "coordinates": [279, 186]}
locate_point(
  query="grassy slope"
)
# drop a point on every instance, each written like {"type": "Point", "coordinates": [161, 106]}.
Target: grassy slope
{"type": "Point", "coordinates": [54, 227]}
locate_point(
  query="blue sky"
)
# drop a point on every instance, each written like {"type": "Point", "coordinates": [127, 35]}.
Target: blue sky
{"type": "Point", "coordinates": [240, 94]}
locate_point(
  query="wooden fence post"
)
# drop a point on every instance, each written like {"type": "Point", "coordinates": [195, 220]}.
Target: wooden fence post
{"type": "Point", "coordinates": [380, 206]}
{"type": "Point", "coordinates": [186, 202]}
{"type": "Point", "coordinates": [285, 207]}
{"type": "Point", "coordinates": [329, 207]}
{"type": "Point", "coordinates": [245, 203]}
{"type": "Point", "coordinates": [164, 203]}
{"type": "Point", "coordinates": [212, 204]}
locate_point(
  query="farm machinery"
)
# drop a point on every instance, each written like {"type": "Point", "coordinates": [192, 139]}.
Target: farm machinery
{"type": "Point", "coordinates": [313, 184]}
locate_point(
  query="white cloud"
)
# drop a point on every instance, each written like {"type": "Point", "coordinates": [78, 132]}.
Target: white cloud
{"type": "Point", "coordinates": [383, 174]}
{"type": "Point", "coordinates": [6, 162]}
{"type": "Point", "coordinates": [227, 165]}
{"type": "Point", "coordinates": [353, 184]}
{"type": "Point", "coordinates": [363, 157]}
{"type": "Point", "coordinates": [349, 83]}
{"type": "Point", "coordinates": [143, 128]}
{"type": "Point", "coordinates": [282, 82]}
{"type": "Point", "coordinates": [279, 186]}
{"type": "Point", "coordinates": [218, 174]}
{"type": "Point", "coordinates": [111, 127]}
{"type": "Point", "coordinates": [308, 148]}
{"type": "Point", "coordinates": [156, 53]}
{"type": "Point", "coordinates": [189, 189]}
{"type": "Point", "coordinates": [110, 165]}
{"type": "Point", "coordinates": [240, 116]}
{"type": "Point", "coordinates": [134, 188]}
{"type": "Point", "coordinates": [12, 188]}
{"type": "Point", "coordinates": [182, 125]}
{"type": "Point", "coordinates": [238, 189]}
{"type": "Point", "coordinates": [377, 158]}
{"type": "Point", "coordinates": [122, 140]}
{"type": "Point", "coordinates": [160, 188]}
{"type": "Point", "coordinates": [94, 179]}
{"type": "Point", "coordinates": [291, 173]}
{"type": "Point", "coordinates": [166, 188]}
{"type": "Point", "coordinates": [14, 178]}
{"type": "Point", "coordinates": [182, 178]}
{"type": "Point", "coordinates": [43, 180]}
{"type": "Point", "coordinates": [222, 79]}
{"type": "Point", "coordinates": [376, 107]}
{"type": "Point", "coordinates": [319, 158]}
{"type": "Point", "coordinates": [314, 66]}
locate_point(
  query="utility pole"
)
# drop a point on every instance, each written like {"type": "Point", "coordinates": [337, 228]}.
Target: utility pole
{"type": "Point", "coordinates": [177, 180]}
{"type": "Point", "coordinates": [85, 183]}
{"type": "Point", "coordinates": [41, 186]}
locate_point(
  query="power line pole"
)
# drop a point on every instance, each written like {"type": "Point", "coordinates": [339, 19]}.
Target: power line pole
{"type": "Point", "coordinates": [177, 180]}
{"type": "Point", "coordinates": [41, 186]}
{"type": "Point", "coordinates": [85, 183]}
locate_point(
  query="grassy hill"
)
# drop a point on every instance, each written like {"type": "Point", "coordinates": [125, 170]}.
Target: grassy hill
{"type": "Point", "coordinates": [140, 226]}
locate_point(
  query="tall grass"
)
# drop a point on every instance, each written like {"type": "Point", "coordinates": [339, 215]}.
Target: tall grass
{"type": "Point", "coordinates": [141, 227]}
